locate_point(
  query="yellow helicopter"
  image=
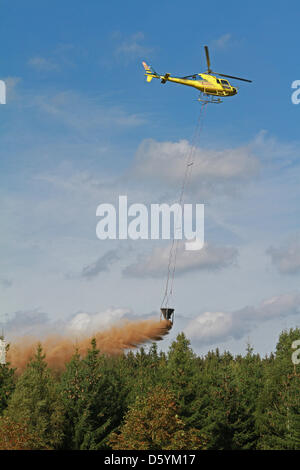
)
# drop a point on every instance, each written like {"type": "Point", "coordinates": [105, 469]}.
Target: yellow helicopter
{"type": "Point", "coordinates": [209, 85]}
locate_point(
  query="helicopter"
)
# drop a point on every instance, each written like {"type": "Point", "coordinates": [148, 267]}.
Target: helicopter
{"type": "Point", "coordinates": [210, 86]}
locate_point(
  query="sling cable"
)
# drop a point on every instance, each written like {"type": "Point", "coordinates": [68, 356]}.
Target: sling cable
{"type": "Point", "coordinates": [166, 311]}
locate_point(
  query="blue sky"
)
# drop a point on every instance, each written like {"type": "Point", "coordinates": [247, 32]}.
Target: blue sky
{"type": "Point", "coordinates": [81, 126]}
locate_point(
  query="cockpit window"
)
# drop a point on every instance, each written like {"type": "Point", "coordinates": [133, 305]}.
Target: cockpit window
{"type": "Point", "coordinates": [225, 82]}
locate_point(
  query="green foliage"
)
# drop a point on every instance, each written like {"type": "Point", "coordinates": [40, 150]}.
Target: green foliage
{"type": "Point", "coordinates": [17, 436]}
{"type": "Point", "coordinates": [279, 403]}
{"type": "Point", "coordinates": [228, 399]}
{"type": "Point", "coordinates": [7, 385]}
{"type": "Point", "coordinates": [183, 376]}
{"type": "Point", "coordinates": [153, 400]}
{"type": "Point", "coordinates": [152, 423]}
{"type": "Point", "coordinates": [36, 401]}
{"type": "Point", "coordinates": [90, 392]}
{"type": "Point", "coordinates": [248, 382]}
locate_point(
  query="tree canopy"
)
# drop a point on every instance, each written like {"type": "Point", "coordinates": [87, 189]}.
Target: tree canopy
{"type": "Point", "coordinates": [146, 399]}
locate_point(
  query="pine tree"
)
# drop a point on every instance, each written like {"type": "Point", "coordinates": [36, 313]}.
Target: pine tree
{"type": "Point", "coordinates": [146, 372]}
{"type": "Point", "coordinates": [35, 401]}
{"type": "Point", "coordinates": [248, 379]}
{"type": "Point", "coordinates": [221, 400]}
{"type": "Point", "coordinates": [7, 384]}
{"type": "Point", "coordinates": [71, 392]}
{"type": "Point", "coordinates": [91, 394]}
{"type": "Point", "coordinates": [152, 423]}
{"type": "Point", "coordinates": [17, 436]}
{"type": "Point", "coordinates": [279, 402]}
{"type": "Point", "coordinates": [182, 375]}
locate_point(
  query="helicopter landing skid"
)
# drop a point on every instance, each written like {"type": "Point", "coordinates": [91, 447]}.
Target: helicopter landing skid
{"type": "Point", "coordinates": [210, 99]}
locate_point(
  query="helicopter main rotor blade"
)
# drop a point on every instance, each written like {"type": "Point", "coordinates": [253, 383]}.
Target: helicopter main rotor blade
{"type": "Point", "coordinates": [207, 59]}
{"type": "Point", "coordinates": [189, 76]}
{"type": "Point", "coordinates": [236, 78]}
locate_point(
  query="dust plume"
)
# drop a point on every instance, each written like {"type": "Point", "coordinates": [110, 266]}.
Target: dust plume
{"type": "Point", "coordinates": [113, 341]}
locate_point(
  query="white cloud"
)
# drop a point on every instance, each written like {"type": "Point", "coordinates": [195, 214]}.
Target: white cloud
{"type": "Point", "coordinates": [11, 87]}
{"type": "Point", "coordinates": [91, 322]}
{"type": "Point", "coordinates": [273, 152]}
{"type": "Point", "coordinates": [210, 258]}
{"type": "Point", "coordinates": [83, 114]}
{"type": "Point", "coordinates": [212, 327]}
{"type": "Point", "coordinates": [287, 257]}
{"type": "Point", "coordinates": [222, 42]}
{"type": "Point", "coordinates": [166, 161]}
{"type": "Point", "coordinates": [103, 263]}
{"type": "Point", "coordinates": [4, 282]}
{"type": "Point", "coordinates": [36, 323]}
{"type": "Point", "coordinates": [24, 322]}
{"type": "Point", "coordinates": [62, 56]}
{"type": "Point", "coordinates": [42, 64]}
{"type": "Point", "coordinates": [132, 47]}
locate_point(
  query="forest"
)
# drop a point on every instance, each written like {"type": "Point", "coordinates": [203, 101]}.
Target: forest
{"type": "Point", "coordinates": [154, 400]}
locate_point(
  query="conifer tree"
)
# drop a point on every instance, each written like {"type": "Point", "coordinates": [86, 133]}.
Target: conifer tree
{"type": "Point", "coordinates": [182, 374]}
{"type": "Point", "coordinates": [221, 410]}
{"type": "Point", "coordinates": [35, 401]}
{"type": "Point", "coordinates": [146, 373]}
{"type": "Point", "coordinates": [17, 436]}
{"type": "Point", "coordinates": [91, 396]}
{"type": "Point", "coordinates": [7, 384]}
{"type": "Point", "coordinates": [248, 380]}
{"type": "Point", "coordinates": [152, 423]}
{"type": "Point", "coordinates": [279, 402]}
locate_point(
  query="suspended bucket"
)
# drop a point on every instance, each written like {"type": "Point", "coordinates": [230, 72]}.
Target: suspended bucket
{"type": "Point", "coordinates": [167, 313]}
